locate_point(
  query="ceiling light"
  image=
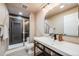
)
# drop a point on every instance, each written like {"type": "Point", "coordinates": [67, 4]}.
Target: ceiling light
{"type": "Point", "coordinates": [20, 13]}
{"type": "Point", "coordinates": [62, 6]}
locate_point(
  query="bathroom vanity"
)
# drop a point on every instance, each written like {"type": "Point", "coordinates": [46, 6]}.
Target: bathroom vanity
{"type": "Point", "coordinates": [63, 48]}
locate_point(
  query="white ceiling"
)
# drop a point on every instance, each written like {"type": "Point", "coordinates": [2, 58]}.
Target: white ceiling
{"type": "Point", "coordinates": [34, 7]}
{"type": "Point", "coordinates": [57, 9]}
{"type": "Point", "coordinates": [25, 8]}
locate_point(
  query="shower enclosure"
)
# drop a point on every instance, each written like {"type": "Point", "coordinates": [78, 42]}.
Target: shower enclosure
{"type": "Point", "coordinates": [18, 31]}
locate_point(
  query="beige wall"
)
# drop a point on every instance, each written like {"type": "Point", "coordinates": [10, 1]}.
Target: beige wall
{"type": "Point", "coordinates": [4, 20]}
{"type": "Point", "coordinates": [32, 25]}
{"type": "Point", "coordinates": [40, 23]}
{"type": "Point", "coordinates": [71, 39]}
{"type": "Point", "coordinates": [57, 21]}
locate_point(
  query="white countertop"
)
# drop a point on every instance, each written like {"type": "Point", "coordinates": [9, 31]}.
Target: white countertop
{"type": "Point", "coordinates": [61, 47]}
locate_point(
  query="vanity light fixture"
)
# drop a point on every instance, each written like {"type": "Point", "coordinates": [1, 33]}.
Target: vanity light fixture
{"type": "Point", "coordinates": [62, 6]}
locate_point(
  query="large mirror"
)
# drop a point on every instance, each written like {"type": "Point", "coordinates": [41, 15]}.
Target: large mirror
{"type": "Point", "coordinates": [63, 19]}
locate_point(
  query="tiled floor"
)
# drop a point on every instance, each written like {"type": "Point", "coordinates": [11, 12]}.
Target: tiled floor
{"type": "Point", "coordinates": [18, 53]}
{"type": "Point", "coordinates": [15, 45]}
{"type": "Point", "coordinates": [22, 51]}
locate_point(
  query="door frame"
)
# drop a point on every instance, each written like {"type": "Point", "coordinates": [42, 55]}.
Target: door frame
{"type": "Point", "coordinates": [11, 27]}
